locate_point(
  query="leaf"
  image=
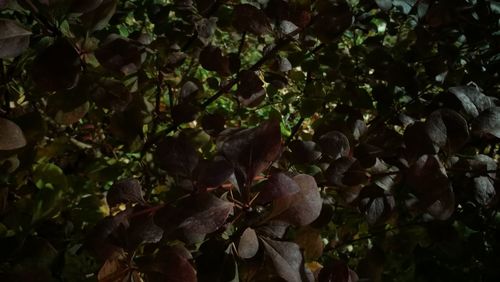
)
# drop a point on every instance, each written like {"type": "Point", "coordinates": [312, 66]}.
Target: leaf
{"type": "Point", "coordinates": [251, 150]}
{"type": "Point", "coordinates": [14, 39]}
{"type": "Point", "coordinates": [57, 67]}
{"type": "Point", "coordinates": [99, 17]}
{"type": "Point", "coordinates": [428, 178]}
{"type": "Point", "coordinates": [210, 214]}
{"type": "Point", "coordinates": [472, 101]}
{"type": "Point", "coordinates": [304, 151]}
{"type": "Point", "coordinates": [303, 207]}
{"type": "Point", "coordinates": [211, 59]}
{"type": "Point", "coordinates": [444, 206]}
{"type": "Point", "coordinates": [384, 4]}
{"type": "Point", "coordinates": [487, 123]}
{"type": "Point", "coordinates": [125, 191]}
{"type": "Point", "coordinates": [337, 271]}
{"type": "Point", "coordinates": [274, 229]}
{"type": "Point", "coordinates": [333, 18]}
{"type": "Point", "coordinates": [171, 264]}
{"type": "Point", "coordinates": [213, 124]}
{"type": "Point", "coordinates": [484, 190]}
{"type": "Point", "coordinates": [120, 55]}
{"type": "Point", "coordinates": [309, 240]}
{"type": "Point", "coordinates": [418, 142]}
{"type": "Point", "coordinates": [142, 229]}
{"type": "Point", "coordinates": [67, 108]}
{"type": "Point", "coordinates": [249, 84]}
{"type": "Point", "coordinates": [286, 257]}
{"type": "Point", "coordinates": [335, 144]}
{"type": "Point", "coordinates": [248, 18]}
{"type": "Point", "coordinates": [84, 6]}
{"type": "Point", "coordinates": [184, 113]}
{"type": "Point", "coordinates": [98, 240]}
{"type": "Point", "coordinates": [11, 136]}
{"type": "Point", "coordinates": [51, 176]}
{"type": "Point", "coordinates": [177, 156]}
{"type": "Point", "coordinates": [113, 269]}
{"type": "Point", "coordinates": [216, 262]}
{"type": "Point", "coordinates": [205, 29]}
{"type": "Point", "coordinates": [376, 204]}
{"type": "Point", "coordinates": [214, 173]}
{"type": "Point", "coordinates": [447, 129]}
{"type": "Point", "coordinates": [346, 171]}
{"type": "Point", "coordinates": [111, 94]}
{"type": "Point", "coordinates": [278, 185]}
{"type": "Point", "coordinates": [249, 244]}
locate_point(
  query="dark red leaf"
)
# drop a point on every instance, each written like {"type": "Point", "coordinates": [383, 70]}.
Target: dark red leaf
{"type": "Point", "coordinates": [337, 271]}
{"type": "Point", "coordinates": [111, 94]}
{"type": "Point", "coordinates": [172, 263]}
{"type": "Point", "coordinates": [177, 156]}
{"type": "Point", "coordinates": [248, 18]}
{"type": "Point", "coordinates": [487, 123]}
{"type": "Point", "coordinates": [376, 204]}
{"type": "Point", "coordinates": [249, 84]}
{"type": "Point", "coordinates": [333, 18]}
{"type": "Point", "coordinates": [286, 257]}
{"type": "Point", "coordinates": [300, 208]}
{"type": "Point", "coordinates": [428, 178]}
{"type": "Point", "coordinates": [57, 67]}
{"type": "Point", "coordinates": [447, 129]}
{"type": "Point", "coordinates": [211, 59]}
{"type": "Point", "coordinates": [335, 144]}
{"type": "Point", "coordinates": [185, 112]}
{"type": "Point", "coordinates": [125, 191]}
{"type": "Point", "coordinates": [98, 18]}
{"type": "Point", "coordinates": [210, 214]}
{"type": "Point", "coordinates": [417, 141]}
{"type": "Point", "coordinates": [14, 38]}
{"type": "Point", "coordinates": [346, 171]}
{"type": "Point", "coordinates": [304, 151]}
{"type": "Point", "coordinates": [11, 136]}
{"type": "Point", "coordinates": [471, 99]}
{"type": "Point", "coordinates": [213, 124]}
{"type": "Point", "coordinates": [84, 6]}
{"type": "Point", "coordinates": [214, 173]}
{"type": "Point", "coordinates": [249, 244]}
{"type": "Point", "coordinates": [444, 206]}
{"type": "Point", "coordinates": [484, 190]}
{"type": "Point", "coordinates": [252, 150]}
{"type": "Point", "coordinates": [120, 55]}
{"type": "Point", "coordinates": [277, 186]}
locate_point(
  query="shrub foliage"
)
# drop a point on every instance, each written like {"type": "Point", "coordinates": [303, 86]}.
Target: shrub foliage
{"type": "Point", "coordinates": [257, 140]}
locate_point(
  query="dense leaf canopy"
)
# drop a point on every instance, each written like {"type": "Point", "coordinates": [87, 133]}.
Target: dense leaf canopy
{"type": "Point", "coordinates": [253, 140]}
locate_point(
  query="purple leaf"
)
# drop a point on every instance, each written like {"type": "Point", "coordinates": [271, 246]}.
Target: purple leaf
{"type": "Point", "coordinates": [11, 136]}
{"type": "Point", "coordinates": [177, 156]}
{"type": "Point", "coordinates": [286, 257]}
{"type": "Point", "coordinates": [248, 18]}
{"type": "Point", "coordinates": [125, 191]}
{"type": "Point", "coordinates": [300, 208]}
{"type": "Point", "coordinates": [210, 214]}
{"type": "Point", "coordinates": [277, 186]}
{"type": "Point", "coordinates": [487, 123]}
{"type": "Point", "coordinates": [251, 150]}
{"type": "Point", "coordinates": [335, 144]}
{"type": "Point", "coordinates": [14, 38]}
{"type": "Point", "coordinates": [249, 244]}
